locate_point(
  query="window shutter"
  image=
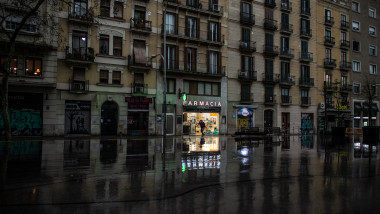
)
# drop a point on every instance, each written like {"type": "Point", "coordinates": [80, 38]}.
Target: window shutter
{"type": "Point", "coordinates": [185, 59]}
{"type": "Point", "coordinates": [198, 27]}
{"type": "Point", "coordinates": [219, 32]}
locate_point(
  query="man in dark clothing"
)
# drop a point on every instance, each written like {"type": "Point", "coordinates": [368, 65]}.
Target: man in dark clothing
{"type": "Point", "coordinates": [203, 125]}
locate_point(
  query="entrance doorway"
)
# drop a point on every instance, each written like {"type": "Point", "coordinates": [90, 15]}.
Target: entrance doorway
{"type": "Point", "coordinates": [109, 115]}
{"type": "Point", "coordinates": [285, 122]}
{"type": "Point", "coordinates": [170, 124]}
{"type": "Point", "coordinates": [268, 118]}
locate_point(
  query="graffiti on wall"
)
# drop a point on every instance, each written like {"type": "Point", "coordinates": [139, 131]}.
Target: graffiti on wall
{"type": "Point", "coordinates": [307, 130]}
{"type": "Point", "coordinates": [23, 123]}
{"type": "Point", "coordinates": [77, 117]}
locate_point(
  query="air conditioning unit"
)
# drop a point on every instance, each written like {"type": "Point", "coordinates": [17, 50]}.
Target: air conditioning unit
{"type": "Point", "coordinates": [291, 79]}
{"type": "Point", "coordinates": [322, 105]}
{"type": "Point", "coordinates": [244, 44]}
{"type": "Point", "coordinates": [216, 8]}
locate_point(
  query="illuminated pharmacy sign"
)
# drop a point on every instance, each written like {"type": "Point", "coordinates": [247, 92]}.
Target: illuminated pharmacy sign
{"type": "Point", "coordinates": [203, 103]}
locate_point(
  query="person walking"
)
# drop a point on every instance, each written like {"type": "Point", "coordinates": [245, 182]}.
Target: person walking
{"type": "Point", "coordinates": [202, 125]}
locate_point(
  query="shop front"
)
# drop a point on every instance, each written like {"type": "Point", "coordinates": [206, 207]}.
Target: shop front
{"type": "Point", "coordinates": [244, 115]}
{"type": "Point", "coordinates": [207, 111]}
{"type": "Point", "coordinates": [138, 115]}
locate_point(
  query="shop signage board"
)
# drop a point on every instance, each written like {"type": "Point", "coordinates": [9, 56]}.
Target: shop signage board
{"type": "Point", "coordinates": [138, 100]}
{"type": "Point", "coordinates": [245, 112]}
{"type": "Point", "coordinates": [203, 103]}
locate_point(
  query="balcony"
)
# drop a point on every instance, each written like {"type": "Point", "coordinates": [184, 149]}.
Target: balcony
{"type": "Point", "coordinates": [346, 88]}
{"type": "Point", "coordinates": [306, 57]}
{"type": "Point", "coordinates": [139, 89]}
{"type": "Point", "coordinates": [287, 80]}
{"type": "Point", "coordinates": [246, 97]}
{"type": "Point", "coordinates": [247, 18]}
{"type": "Point", "coordinates": [344, 25]}
{"type": "Point", "coordinates": [329, 21]}
{"type": "Point", "coordinates": [139, 63]}
{"type": "Point", "coordinates": [306, 82]}
{"type": "Point", "coordinates": [271, 78]}
{"type": "Point", "coordinates": [270, 3]}
{"type": "Point", "coordinates": [139, 25]}
{"type": "Point", "coordinates": [305, 101]}
{"type": "Point", "coordinates": [79, 56]}
{"type": "Point", "coordinates": [193, 69]}
{"type": "Point", "coordinates": [330, 63]}
{"type": "Point", "coordinates": [247, 75]}
{"type": "Point", "coordinates": [270, 50]}
{"type": "Point", "coordinates": [286, 100]}
{"type": "Point", "coordinates": [287, 54]}
{"type": "Point", "coordinates": [305, 33]}
{"type": "Point", "coordinates": [305, 12]}
{"type": "Point", "coordinates": [286, 6]}
{"type": "Point", "coordinates": [270, 99]}
{"type": "Point", "coordinates": [247, 47]}
{"type": "Point", "coordinates": [345, 66]}
{"type": "Point", "coordinates": [194, 35]}
{"type": "Point", "coordinates": [82, 17]}
{"type": "Point", "coordinates": [78, 87]}
{"type": "Point", "coordinates": [270, 24]}
{"type": "Point", "coordinates": [203, 7]}
{"type": "Point", "coordinates": [286, 28]}
{"type": "Point", "coordinates": [329, 41]}
{"type": "Point", "coordinates": [331, 87]}
{"type": "Point", "coordinates": [344, 44]}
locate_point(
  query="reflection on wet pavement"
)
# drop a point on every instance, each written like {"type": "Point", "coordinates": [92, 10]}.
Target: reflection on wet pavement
{"type": "Point", "coordinates": [214, 174]}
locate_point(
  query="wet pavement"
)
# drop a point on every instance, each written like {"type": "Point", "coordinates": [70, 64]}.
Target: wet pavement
{"type": "Point", "coordinates": [297, 174]}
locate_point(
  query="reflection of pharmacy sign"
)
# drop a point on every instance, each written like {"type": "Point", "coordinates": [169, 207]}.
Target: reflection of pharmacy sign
{"type": "Point", "coordinates": [245, 112]}
{"type": "Point", "coordinates": [202, 103]}
{"type": "Point", "coordinates": [341, 107]}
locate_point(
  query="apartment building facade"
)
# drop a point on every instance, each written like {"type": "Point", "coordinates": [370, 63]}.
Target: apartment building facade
{"type": "Point", "coordinates": [334, 64]}
{"type": "Point", "coordinates": [273, 85]}
{"type": "Point", "coordinates": [364, 24]}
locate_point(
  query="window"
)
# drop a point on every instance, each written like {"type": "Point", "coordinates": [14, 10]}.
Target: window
{"type": "Point", "coordinates": [355, 7]}
{"type": "Point", "coordinates": [246, 64]}
{"type": "Point", "coordinates": [356, 45]}
{"type": "Point", "coordinates": [118, 10]}
{"type": "Point", "coordinates": [170, 86]}
{"type": "Point", "coordinates": [372, 31]}
{"type": "Point", "coordinates": [372, 12]}
{"type": "Point", "coordinates": [246, 37]}
{"type": "Point", "coordinates": [245, 92]}
{"type": "Point", "coordinates": [356, 66]}
{"type": "Point", "coordinates": [304, 93]}
{"type": "Point", "coordinates": [116, 77]}
{"type": "Point", "coordinates": [191, 27]}
{"type": "Point", "coordinates": [214, 34]}
{"type": "Point", "coordinates": [103, 76]}
{"type": "Point", "coordinates": [328, 15]}
{"type": "Point", "coordinates": [285, 71]}
{"type": "Point", "coordinates": [343, 19]}
{"type": "Point", "coordinates": [328, 78]}
{"type": "Point", "coordinates": [372, 50]}
{"type": "Point", "coordinates": [356, 88]}
{"type": "Point", "coordinates": [284, 45]}
{"type": "Point", "coordinates": [139, 52]}
{"type": "Point", "coordinates": [343, 57]}
{"type": "Point", "coordinates": [80, 8]}
{"type": "Point", "coordinates": [117, 46]}
{"type": "Point", "coordinates": [328, 53]}
{"type": "Point", "coordinates": [79, 48]}
{"type": "Point", "coordinates": [29, 26]}
{"type": "Point", "coordinates": [355, 26]}
{"type": "Point", "coordinates": [170, 23]}
{"type": "Point", "coordinates": [105, 8]}
{"type": "Point", "coordinates": [305, 6]}
{"type": "Point", "coordinates": [104, 44]}
{"type": "Point", "coordinates": [191, 59]}
{"type": "Point", "coordinates": [343, 36]}
{"type": "Point", "coordinates": [343, 80]}
{"type": "Point", "coordinates": [171, 57]}
{"type": "Point", "coordinates": [305, 26]}
{"type": "Point", "coordinates": [201, 88]}
{"type": "Point", "coordinates": [12, 64]}
{"type": "Point", "coordinates": [268, 67]}
{"type": "Point", "coordinates": [33, 67]}
{"type": "Point", "coordinates": [372, 69]}
{"type": "Point", "coordinates": [305, 73]}
{"type": "Point", "coordinates": [214, 62]}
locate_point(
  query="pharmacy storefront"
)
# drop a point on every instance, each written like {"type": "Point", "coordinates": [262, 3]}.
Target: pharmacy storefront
{"type": "Point", "coordinates": [210, 111]}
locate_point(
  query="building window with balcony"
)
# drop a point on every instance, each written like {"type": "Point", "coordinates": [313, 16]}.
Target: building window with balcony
{"type": "Point", "coordinates": [343, 37]}
{"type": "Point", "coordinates": [328, 33]}
{"type": "Point", "coordinates": [372, 31]}
{"type": "Point", "coordinates": [116, 77]}
{"type": "Point", "coordinates": [285, 95]}
{"type": "Point", "coordinates": [328, 17]}
{"type": "Point", "coordinates": [356, 45]}
{"type": "Point", "coordinates": [105, 8]}
{"type": "Point", "coordinates": [285, 71]}
{"type": "Point", "coordinates": [305, 97]}
{"type": "Point", "coordinates": [33, 67]}
{"type": "Point", "coordinates": [192, 25]}
{"type": "Point", "coordinates": [269, 98]}
{"type": "Point", "coordinates": [285, 46]}
{"type": "Point", "coordinates": [190, 59]}
{"type": "Point", "coordinates": [246, 12]}
{"type": "Point", "coordinates": [245, 92]}
{"type": "Point", "coordinates": [343, 57]}
{"type": "Point", "coordinates": [247, 64]}
{"type": "Point", "coordinates": [117, 46]}
{"type": "Point", "coordinates": [285, 25]}
{"type": "Point", "coordinates": [104, 44]}
{"type": "Point", "coordinates": [79, 48]}
{"type": "Point", "coordinates": [118, 10]}
{"type": "Point", "coordinates": [356, 88]}
{"type": "Point", "coordinates": [355, 26]}
{"type": "Point", "coordinates": [372, 50]}
{"type": "Point", "coordinates": [171, 55]}
{"type": "Point", "coordinates": [356, 66]}
{"type": "Point", "coordinates": [139, 16]}
{"type": "Point", "coordinates": [103, 76]}
{"type": "Point", "coordinates": [139, 52]}
{"type": "Point", "coordinates": [170, 23]}
{"type": "Point", "coordinates": [343, 19]}
{"type": "Point", "coordinates": [343, 80]}
{"type": "Point", "coordinates": [79, 80]}
{"type": "Point", "coordinates": [305, 7]}
{"type": "Point", "coordinates": [355, 7]}
{"type": "Point", "coordinates": [372, 69]}
{"type": "Point", "coordinates": [214, 62]}
{"type": "Point", "coordinates": [246, 37]}
{"type": "Point", "coordinates": [12, 65]}
{"type": "Point", "coordinates": [268, 69]}
{"type": "Point", "coordinates": [372, 12]}
{"type": "Point", "coordinates": [305, 27]}
{"type": "Point", "coordinates": [304, 49]}
{"type": "Point", "coordinates": [80, 8]}
{"type": "Point", "coordinates": [328, 79]}
{"type": "Point", "coordinates": [170, 87]}
{"type": "Point", "coordinates": [214, 31]}
{"type": "Point", "coordinates": [305, 74]}
{"type": "Point", "coordinates": [328, 54]}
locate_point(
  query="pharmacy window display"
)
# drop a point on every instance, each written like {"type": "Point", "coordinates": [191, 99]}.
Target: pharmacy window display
{"type": "Point", "coordinates": [191, 123]}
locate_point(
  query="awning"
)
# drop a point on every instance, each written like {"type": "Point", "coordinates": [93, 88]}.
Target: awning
{"type": "Point", "coordinates": [374, 107]}
{"type": "Point", "coordinates": [357, 107]}
{"type": "Point", "coordinates": [245, 106]}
